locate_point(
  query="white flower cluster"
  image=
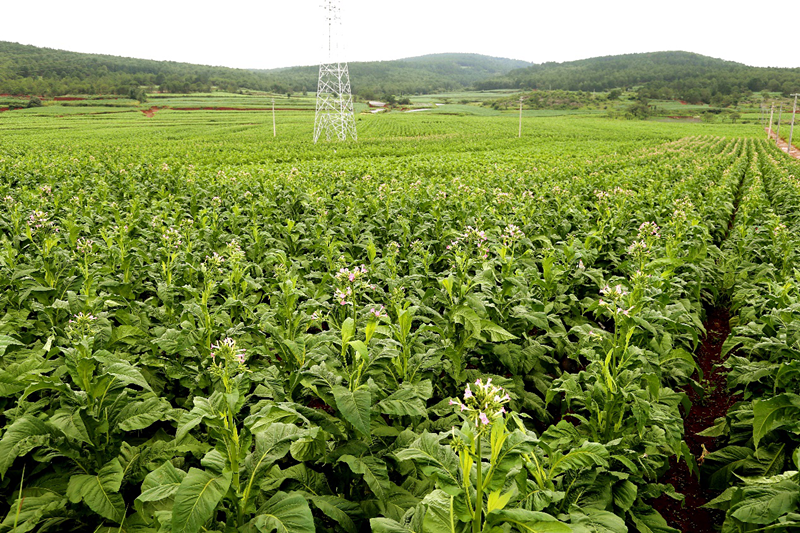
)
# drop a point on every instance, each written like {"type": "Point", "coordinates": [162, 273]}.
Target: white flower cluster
{"type": "Point", "coordinates": [483, 402]}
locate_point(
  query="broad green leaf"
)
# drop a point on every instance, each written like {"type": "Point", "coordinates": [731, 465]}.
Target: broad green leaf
{"type": "Point", "coordinates": [161, 483]}
{"type": "Point", "coordinates": [588, 455]}
{"type": "Point", "coordinates": [374, 471]}
{"type": "Point", "coordinates": [197, 498]}
{"type": "Point", "coordinates": [272, 445]}
{"type": "Point", "coordinates": [355, 407]}
{"type": "Point", "coordinates": [338, 509]}
{"type": "Point", "coordinates": [125, 373]}
{"type": "Point", "coordinates": [139, 415]}
{"type": "Point", "coordinates": [404, 402]}
{"type": "Point", "coordinates": [764, 504]}
{"type": "Point", "coordinates": [528, 521]}
{"type": "Point", "coordinates": [126, 335]}
{"type": "Point", "coordinates": [27, 514]}
{"type": "Point", "coordinates": [6, 341]}
{"type": "Point", "coordinates": [469, 319]}
{"type": "Point", "coordinates": [17, 436]}
{"type": "Point", "coordinates": [70, 422]}
{"type": "Point", "coordinates": [440, 515]}
{"type": "Point", "coordinates": [595, 521]}
{"type": "Point", "coordinates": [203, 409]}
{"type": "Point", "coordinates": [435, 460]}
{"type": "Point", "coordinates": [285, 513]}
{"type": "Point", "coordinates": [625, 493]}
{"type": "Point", "coordinates": [387, 525]}
{"type": "Point", "coordinates": [100, 492]}
{"type": "Point", "coordinates": [767, 414]}
{"type": "Point", "coordinates": [496, 333]}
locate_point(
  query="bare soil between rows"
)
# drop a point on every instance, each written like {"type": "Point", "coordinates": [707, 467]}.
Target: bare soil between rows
{"type": "Point", "coordinates": [708, 405]}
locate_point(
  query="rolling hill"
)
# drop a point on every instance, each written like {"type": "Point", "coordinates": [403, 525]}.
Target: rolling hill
{"type": "Point", "coordinates": [28, 69]}
{"type": "Point", "coordinates": [670, 75]}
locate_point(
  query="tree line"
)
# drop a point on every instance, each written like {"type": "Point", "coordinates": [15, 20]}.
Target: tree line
{"type": "Point", "coordinates": [685, 76]}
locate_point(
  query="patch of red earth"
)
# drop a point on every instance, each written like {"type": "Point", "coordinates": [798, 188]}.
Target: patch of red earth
{"type": "Point", "coordinates": [151, 111]}
{"type": "Point", "coordinates": [689, 516]}
{"type": "Point", "coordinates": [238, 109]}
{"type": "Point", "coordinates": [3, 109]}
{"type": "Point", "coordinates": [794, 152]}
{"type": "Point", "coordinates": [67, 98]}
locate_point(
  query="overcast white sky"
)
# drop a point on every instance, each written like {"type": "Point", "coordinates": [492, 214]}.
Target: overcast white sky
{"type": "Point", "coordinates": [270, 34]}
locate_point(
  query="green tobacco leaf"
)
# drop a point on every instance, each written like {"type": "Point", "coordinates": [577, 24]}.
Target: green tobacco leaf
{"type": "Point", "coordinates": [27, 514]}
{"type": "Point", "coordinates": [285, 513]}
{"type": "Point", "coordinates": [496, 333]}
{"type": "Point", "coordinates": [435, 460]}
{"type": "Point", "coordinates": [439, 512]}
{"type": "Point", "coordinates": [338, 509]}
{"type": "Point", "coordinates": [355, 407]}
{"type": "Point", "coordinates": [528, 521]}
{"type": "Point", "coordinates": [588, 455]}
{"type": "Point", "coordinates": [139, 415]}
{"type": "Point", "coordinates": [405, 401]}
{"type": "Point", "coordinates": [100, 492]}
{"type": "Point", "coordinates": [69, 421]}
{"type": "Point", "coordinates": [125, 373]}
{"type": "Point", "coordinates": [125, 335]}
{"type": "Point", "coordinates": [764, 504]}
{"type": "Point", "coordinates": [16, 438]}
{"type": "Point", "coordinates": [197, 498]}
{"type": "Point", "coordinates": [203, 409]}
{"type": "Point", "coordinates": [625, 493]}
{"type": "Point", "coordinates": [469, 319]}
{"type": "Point", "coordinates": [595, 521]}
{"type": "Point", "coordinates": [387, 525]}
{"type": "Point", "coordinates": [6, 341]}
{"type": "Point", "coordinates": [767, 414]}
{"type": "Point", "coordinates": [161, 483]}
{"type": "Point", "coordinates": [374, 471]}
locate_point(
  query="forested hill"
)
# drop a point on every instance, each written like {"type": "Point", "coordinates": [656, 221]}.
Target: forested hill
{"type": "Point", "coordinates": [670, 75]}
{"type": "Point", "coordinates": [43, 71]}
{"type": "Point", "coordinates": [415, 75]}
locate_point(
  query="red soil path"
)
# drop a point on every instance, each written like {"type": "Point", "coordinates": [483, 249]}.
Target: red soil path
{"type": "Point", "coordinates": [689, 516]}
{"type": "Point", "coordinates": [794, 152]}
{"type": "Point", "coordinates": [152, 111]}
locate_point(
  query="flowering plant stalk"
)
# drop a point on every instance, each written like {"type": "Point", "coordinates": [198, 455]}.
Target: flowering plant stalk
{"type": "Point", "coordinates": [482, 406]}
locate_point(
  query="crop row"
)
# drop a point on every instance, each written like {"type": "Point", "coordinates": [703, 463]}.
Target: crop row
{"type": "Point", "coordinates": [462, 342]}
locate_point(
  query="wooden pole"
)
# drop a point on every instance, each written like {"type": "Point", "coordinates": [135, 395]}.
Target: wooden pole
{"type": "Point", "coordinates": [274, 131]}
{"type": "Point", "coordinates": [771, 112]}
{"type": "Point", "coordinates": [791, 130]}
{"type": "Point", "coordinates": [520, 117]}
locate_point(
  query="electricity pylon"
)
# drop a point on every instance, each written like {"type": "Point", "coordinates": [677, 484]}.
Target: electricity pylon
{"type": "Point", "coordinates": [334, 116]}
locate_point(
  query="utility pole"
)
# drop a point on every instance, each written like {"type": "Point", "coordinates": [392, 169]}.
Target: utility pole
{"type": "Point", "coordinates": [778, 133]}
{"type": "Point", "coordinates": [771, 111]}
{"type": "Point", "coordinates": [791, 131]}
{"type": "Point", "coordinates": [274, 131]}
{"type": "Point", "coordinates": [520, 117]}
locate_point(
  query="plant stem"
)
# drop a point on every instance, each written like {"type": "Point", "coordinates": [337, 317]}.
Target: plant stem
{"type": "Point", "coordinates": [476, 519]}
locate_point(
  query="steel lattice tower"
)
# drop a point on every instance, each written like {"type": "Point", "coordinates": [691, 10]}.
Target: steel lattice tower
{"type": "Point", "coordinates": [334, 116]}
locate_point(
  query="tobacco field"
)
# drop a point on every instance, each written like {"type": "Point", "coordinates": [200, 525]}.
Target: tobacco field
{"type": "Point", "coordinates": [440, 328]}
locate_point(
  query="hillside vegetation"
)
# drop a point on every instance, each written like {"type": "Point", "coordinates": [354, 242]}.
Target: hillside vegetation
{"type": "Point", "coordinates": [32, 70]}
{"type": "Point", "coordinates": [665, 75]}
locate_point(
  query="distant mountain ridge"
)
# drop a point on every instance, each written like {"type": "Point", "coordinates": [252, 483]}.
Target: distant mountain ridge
{"type": "Point", "coordinates": [680, 75]}
{"type": "Point", "coordinates": [26, 69]}
{"type": "Point", "coordinates": [672, 75]}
